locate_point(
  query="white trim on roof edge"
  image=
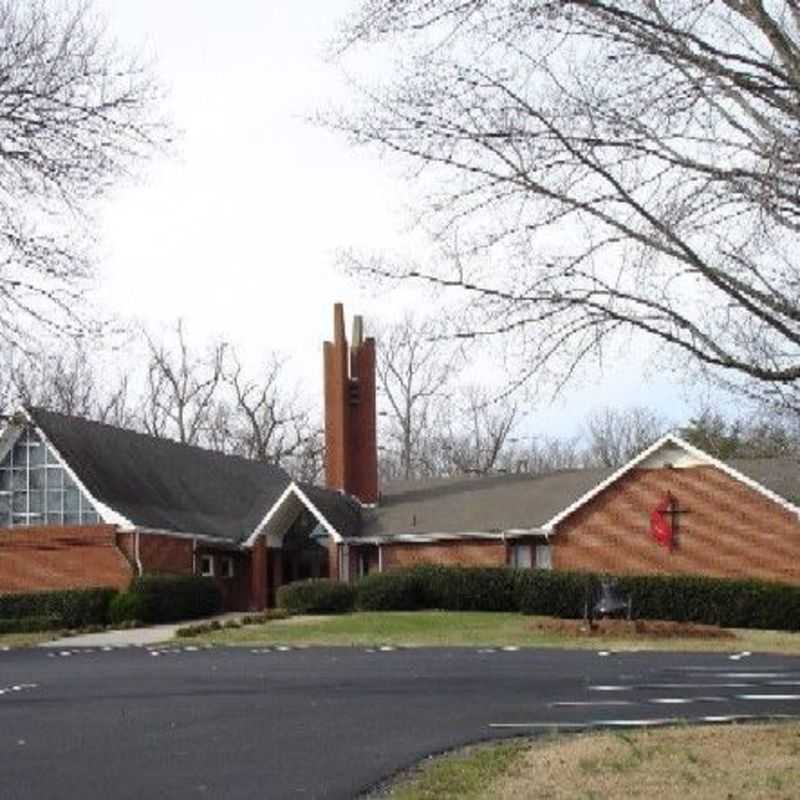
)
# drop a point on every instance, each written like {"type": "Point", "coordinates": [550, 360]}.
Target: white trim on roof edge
{"type": "Point", "coordinates": [670, 438]}
{"type": "Point", "coordinates": [107, 514]}
{"type": "Point", "coordinates": [428, 538]}
{"type": "Point", "coordinates": [293, 488]}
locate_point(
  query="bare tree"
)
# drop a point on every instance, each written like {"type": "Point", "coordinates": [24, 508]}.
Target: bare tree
{"type": "Point", "coordinates": [614, 436]}
{"type": "Point", "coordinates": [632, 168]}
{"type": "Point", "coordinates": [66, 380]}
{"type": "Point", "coordinates": [480, 431]}
{"type": "Point", "coordinates": [75, 114]}
{"type": "Point", "coordinates": [414, 370]}
{"type": "Point", "coordinates": [267, 421]}
{"type": "Point", "coordinates": [182, 389]}
{"type": "Point", "coordinates": [546, 454]}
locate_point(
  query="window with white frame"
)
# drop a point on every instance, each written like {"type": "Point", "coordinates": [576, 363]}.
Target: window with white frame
{"type": "Point", "coordinates": [544, 556]}
{"type": "Point", "coordinates": [227, 568]}
{"type": "Point", "coordinates": [35, 489]}
{"type": "Point", "coordinates": [521, 555]}
{"type": "Point", "coordinates": [207, 566]}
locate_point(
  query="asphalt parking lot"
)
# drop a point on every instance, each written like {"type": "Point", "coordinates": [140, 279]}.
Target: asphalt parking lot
{"type": "Point", "coordinates": [278, 723]}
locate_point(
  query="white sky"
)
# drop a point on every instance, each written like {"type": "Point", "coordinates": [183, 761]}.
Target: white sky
{"type": "Point", "coordinates": [237, 234]}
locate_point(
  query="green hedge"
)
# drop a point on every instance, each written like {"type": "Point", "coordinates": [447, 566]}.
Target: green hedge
{"type": "Point", "coordinates": [128, 607]}
{"type": "Point", "coordinates": [172, 598]}
{"type": "Point", "coordinates": [316, 596]}
{"type": "Point", "coordinates": [74, 608]}
{"type": "Point", "coordinates": [29, 624]}
{"type": "Point", "coordinates": [437, 586]}
{"type": "Point", "coordinates": [712, 601]}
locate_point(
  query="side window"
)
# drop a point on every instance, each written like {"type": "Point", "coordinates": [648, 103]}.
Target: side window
{"type": "Point", "coordinates": [544, 556]}
{"type": "Point", "coordinates": [207, 566]}
{"type": "Point", "coordinates": [521, 555]}
{"type": "Point", "coordinates": [227, 567]}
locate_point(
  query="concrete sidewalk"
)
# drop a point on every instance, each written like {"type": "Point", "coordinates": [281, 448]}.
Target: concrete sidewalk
{"type": "Point", "coordinates": [133, 637]}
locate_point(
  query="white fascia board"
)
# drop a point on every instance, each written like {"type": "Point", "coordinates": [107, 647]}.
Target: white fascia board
{"type": "Point", "coordinates": [425, 538]}
{"type": "Point", "coordinates": [739, 476]}
{"type": "Point", "coordinates": [669, 438]}
{"type": "Point", "coordinates": [199, 537]}
{"type": "Point", "coordinates": [105, 512]}
{"type": "Point", "coordinates": [8, 438]}
{"type": "Point", "coordinates": [292, 489]}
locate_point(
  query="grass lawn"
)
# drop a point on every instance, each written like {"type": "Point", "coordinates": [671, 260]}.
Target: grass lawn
{"type": "Point", "coordinates": [735, 761]}
{"type": "Point", "coordinates": [26, 639]}
{"type": "Point", "coordinates": [468, 628]}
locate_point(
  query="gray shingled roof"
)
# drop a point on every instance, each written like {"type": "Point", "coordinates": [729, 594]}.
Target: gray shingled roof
{"type": "Point", "coordinates": [157, 483]}
{"type": "Point", "coordinates": [505, 502]}
{"type": "Point", "coordinates": [160, 484]}
{"type": "Point", "coordinates": [477, 504]}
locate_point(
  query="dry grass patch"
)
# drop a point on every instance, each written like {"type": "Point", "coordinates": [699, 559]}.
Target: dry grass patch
{"type": "Point", "coordinates": [743, 761]}
{"type": "Point", "coordinates": [27, 639]}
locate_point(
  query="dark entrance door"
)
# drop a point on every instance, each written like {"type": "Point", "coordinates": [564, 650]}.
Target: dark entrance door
{"type": "Point", "coordinates": [305, 551]}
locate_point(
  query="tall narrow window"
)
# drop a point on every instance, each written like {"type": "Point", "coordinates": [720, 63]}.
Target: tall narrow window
{"type": "Point", "coordinates": [521, 555]}
{"type": "Point", "coordinates": [544, 556]}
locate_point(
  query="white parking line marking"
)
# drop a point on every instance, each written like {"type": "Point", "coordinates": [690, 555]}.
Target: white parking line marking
{"type": "Point", "coordinates": [636, 722]}
{"type": "Point", "coordinates": [753, 674]}
{"type": "Point", "coordinates": [696, 685]}
{"type": "Point", "coordinates": [768, 696]}
{"type": "Point", "coordinates": [538, 724]}
{"type": "Point", "coordinates": [610, 688]}
{"type": "Point", "coordinates": [590, 703]}
{"type": "Point", "coordinates": [671, 701]}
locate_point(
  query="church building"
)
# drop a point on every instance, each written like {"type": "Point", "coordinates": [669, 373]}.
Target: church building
{"type": "Point", "coordinates": [88, 504]}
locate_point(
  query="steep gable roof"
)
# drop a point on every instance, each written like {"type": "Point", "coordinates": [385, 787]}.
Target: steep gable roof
{"type": "Point", "coordinates": [160, 484]}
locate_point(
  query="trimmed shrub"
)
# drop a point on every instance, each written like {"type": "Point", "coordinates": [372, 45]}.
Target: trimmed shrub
{"type": "Point", "coordinates": [554, 594]}
{"type": "Point", "coordinates": [714, 601]}
{"type": "Point", "coordinates": [171, 598]}
{"type": "Point", "coordinates": [127, 607]}
{"type": "Point", "coordinates": [29, 624]}
{"type": "Point", "coordinates": [679, 598]}
{"type": "Point", "coordinates": [316, 596]}
{"type": "Point", "coordinates": [75, 608]}
{"type": "Point", "coordinates": [396, 590]}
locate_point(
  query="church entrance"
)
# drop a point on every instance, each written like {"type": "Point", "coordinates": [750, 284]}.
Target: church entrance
{"type": "Point", "coordinates": [304, 553]}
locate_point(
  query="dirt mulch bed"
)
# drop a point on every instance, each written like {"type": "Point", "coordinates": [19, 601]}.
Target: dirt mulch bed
{"type": "Point", "coordinates": [632, 629]}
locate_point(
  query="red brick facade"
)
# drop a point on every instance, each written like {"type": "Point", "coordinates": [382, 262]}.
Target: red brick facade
{"type": "Point", "coordinates": [38, 559]}
{"type": "Point", "coordinates": [487, 553]}
{"type": "Point", "coordinates": [723, 529]}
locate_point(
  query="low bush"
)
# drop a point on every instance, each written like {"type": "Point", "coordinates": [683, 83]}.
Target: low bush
{"type": "Point", "coordinates": [128, 607]}
{"type": "Point", "coordinates": [171, 598]}
{"type": "Point", "coordinates": [396, 590]}
{"type": "Point", "coordinates": [29, 624]}
{"type": "Point", "coordinates": [442, 587]}
{"type": "Point", "coordinates": [679, 598]}
{"type": "Point", "coordinates": [714, 601]}
{"type": "Point", "coordinates": [75, 608]}
{"type": "Point", "coordinates": [316, 596]}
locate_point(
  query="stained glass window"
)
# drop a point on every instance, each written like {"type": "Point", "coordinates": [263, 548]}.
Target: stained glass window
{"type": "Point", "coordinates": [36, 490]}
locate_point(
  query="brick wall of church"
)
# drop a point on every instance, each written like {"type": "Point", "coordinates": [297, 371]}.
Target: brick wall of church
{"type": "Point", "coordinates": [487, 553]}
{"type": "Point", "coordinates": [56, 557]}
{"type": "Point", "coordinates": [724, 529]}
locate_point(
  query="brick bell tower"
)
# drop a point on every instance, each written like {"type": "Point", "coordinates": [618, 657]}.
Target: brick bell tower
{"type": "Point", "coordinates": [351, 462]}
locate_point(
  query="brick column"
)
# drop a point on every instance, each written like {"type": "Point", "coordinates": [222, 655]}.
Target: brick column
{"type": "Point", "coordinates": [258, 574]}
{"type": "Point", "coordinates": [333, 560]}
